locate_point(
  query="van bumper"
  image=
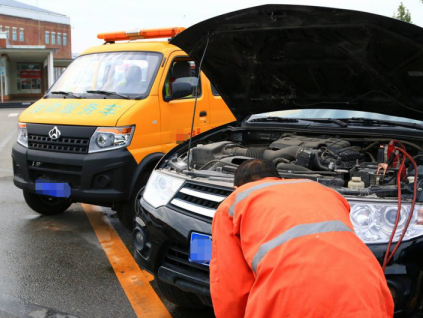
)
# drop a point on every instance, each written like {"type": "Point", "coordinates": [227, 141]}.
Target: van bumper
{"type": "Point", "coordinates": [100, 178]}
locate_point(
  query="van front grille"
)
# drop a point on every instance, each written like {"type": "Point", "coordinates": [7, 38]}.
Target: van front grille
{"type": "Point", "coordinates": [74, 181]}
{"type": "Point", "coordinates": [63, 144]}
{"type": "Point", "coordinates": [36, 165]}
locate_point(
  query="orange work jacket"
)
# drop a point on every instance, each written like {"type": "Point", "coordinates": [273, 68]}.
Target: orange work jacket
{"type": "Point", "coordinates": [287, 248]}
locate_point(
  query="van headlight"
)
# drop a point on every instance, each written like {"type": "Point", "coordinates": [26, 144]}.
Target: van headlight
{"type": "Point", "coordinates": [22, 135]}
{"type": "Point", "coordinates": [161, 188]}
{"type": "Point", "coordinates": [110, 138]}
{"type": "Point", "coordinates": [373, 222]}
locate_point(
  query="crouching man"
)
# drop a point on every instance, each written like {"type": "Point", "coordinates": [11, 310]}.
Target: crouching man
{"type": "Point", "coordinates": [287, 248]}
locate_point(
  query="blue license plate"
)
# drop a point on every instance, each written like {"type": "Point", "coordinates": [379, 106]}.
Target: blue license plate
{"type": "Point", "coordinates": [51, 188]}
{"type": "Point", "coordinates": [200, 249]}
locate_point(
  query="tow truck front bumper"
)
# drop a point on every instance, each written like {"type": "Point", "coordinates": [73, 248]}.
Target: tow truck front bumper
{"type": "Point", "coordinates": [98, 178]}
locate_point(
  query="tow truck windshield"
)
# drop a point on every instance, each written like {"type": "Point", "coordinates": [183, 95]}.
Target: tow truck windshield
{"type": "Point", "coordinates": [126, 74]}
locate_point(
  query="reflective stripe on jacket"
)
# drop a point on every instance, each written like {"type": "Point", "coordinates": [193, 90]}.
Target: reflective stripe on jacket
{"type": "Point", "coordinates": [286, 248]}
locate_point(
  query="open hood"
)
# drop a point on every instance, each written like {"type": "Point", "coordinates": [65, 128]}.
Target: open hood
{"type": "Point", "coordinates": [280, 57]}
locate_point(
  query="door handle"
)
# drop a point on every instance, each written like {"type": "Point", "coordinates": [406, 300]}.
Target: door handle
{"type": "Point", "coordinates": [203, 114]}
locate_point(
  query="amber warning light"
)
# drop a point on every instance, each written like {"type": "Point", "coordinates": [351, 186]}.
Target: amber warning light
{"type": "Point", "coordinates": [140, 34]}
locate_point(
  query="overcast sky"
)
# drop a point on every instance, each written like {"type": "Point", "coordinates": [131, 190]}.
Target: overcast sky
{"type": "Point", "coordinates": [90, 17]}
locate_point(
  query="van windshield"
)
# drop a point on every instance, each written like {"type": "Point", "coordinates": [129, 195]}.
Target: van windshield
{"type": "Point", "coordinates": [126, 73]}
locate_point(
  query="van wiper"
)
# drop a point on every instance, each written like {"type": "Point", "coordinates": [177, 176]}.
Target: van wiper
{"type": "Point", "coordinates": [66, 94]}
{"type": "Point", "coordinates": [107, 93]}
{"type": "Point", "coordinates": [273, 119]}
{"type": "Point", "coordinates": [370, 122]}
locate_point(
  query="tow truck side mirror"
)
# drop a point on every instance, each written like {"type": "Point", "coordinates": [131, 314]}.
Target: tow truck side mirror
{"type": "Point", "coordinates": [180, 89]}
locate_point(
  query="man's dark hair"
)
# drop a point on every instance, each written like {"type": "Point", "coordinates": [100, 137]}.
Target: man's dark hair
{"type": "Point", "coordinates": [254, 170]}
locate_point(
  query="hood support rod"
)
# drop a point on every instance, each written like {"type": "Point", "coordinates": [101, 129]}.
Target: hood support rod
{"type": "Point", "coordinates": [195, 102]}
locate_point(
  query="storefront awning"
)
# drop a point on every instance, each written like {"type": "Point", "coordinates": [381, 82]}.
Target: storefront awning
{"type": "Point", "coordinates": [30, 53]}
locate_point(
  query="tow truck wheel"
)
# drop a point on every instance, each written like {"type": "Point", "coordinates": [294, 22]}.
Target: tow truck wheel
{"type": "Point", "coordinates": [127, 210]}
{"type": "Point", "coordinates": [45, 205]}
{"type": "Point", "coordinates": [179, 297]}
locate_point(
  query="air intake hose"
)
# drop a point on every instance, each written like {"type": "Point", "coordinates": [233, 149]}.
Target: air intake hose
{"type": "Point", "coordinates": [262, 153]}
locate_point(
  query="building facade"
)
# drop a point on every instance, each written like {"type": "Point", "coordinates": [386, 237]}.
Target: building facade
{"type": "Point", "coordinates": [35, 48]}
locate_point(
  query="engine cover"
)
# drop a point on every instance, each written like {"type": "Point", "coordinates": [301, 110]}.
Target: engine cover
{"type": "Point", "coordinates": [289, 140]}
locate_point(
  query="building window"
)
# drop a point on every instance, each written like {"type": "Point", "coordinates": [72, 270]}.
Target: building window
{"type": "Point", "coordinates": [1, 28]}
{"type": "Point", "coordinates": [21, 35]}
{"type": "Point", "coordinates": [65, 39]}
{"type": "Point", "coordinates": [7, 31]}
{"type": "Point", "coordinates": [14, 34]}
{"type": "Point", "coordinates": [29, 78]}
{"type": "Point", "coordinates": [59, 38]}
{"type": "Point", "coordinates": [47, 37]}
{"type": "Point", "coordinates": [53, 37]}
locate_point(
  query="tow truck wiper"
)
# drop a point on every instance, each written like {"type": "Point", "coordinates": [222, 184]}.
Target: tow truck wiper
{"type": "Point", "coordinates": [66, 94]}
{"type": "Point", "coordinates": [369, 121]}
{"type": "Point", "coordinates": [107, 93]}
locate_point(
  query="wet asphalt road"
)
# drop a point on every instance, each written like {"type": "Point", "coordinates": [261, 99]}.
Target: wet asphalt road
{"type": "Point", "coordinates": [55, 266]}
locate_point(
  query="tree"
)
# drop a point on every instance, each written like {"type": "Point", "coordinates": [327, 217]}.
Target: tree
{"type": "Point", "coordinates": [403, 14]}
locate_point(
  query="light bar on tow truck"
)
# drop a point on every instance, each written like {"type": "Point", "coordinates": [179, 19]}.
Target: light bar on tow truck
{"type": "Point", "coordinates": [140, 34]}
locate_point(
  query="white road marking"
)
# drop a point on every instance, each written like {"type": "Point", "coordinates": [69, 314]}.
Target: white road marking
{"type": "Point", "coordinates": [13, 115]}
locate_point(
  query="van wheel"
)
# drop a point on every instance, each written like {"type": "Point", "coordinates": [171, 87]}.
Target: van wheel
{"type": "Point", "coordinates": [179, 297]}
{"type": "Point", "coordinates": [126, 211]}
{"type": "Point", "coordinates": [44, 204]}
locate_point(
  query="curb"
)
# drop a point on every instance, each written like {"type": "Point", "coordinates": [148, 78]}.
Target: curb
{"type": "Point", "coordinates": [16, 104]}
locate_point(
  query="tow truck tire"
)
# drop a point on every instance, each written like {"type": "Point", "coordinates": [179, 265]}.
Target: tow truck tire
{"type": "Point", "coordinates": [45, 205]}
{"type": "Point", "coordinates": [179, 297]}
{"type": "Point", "coordinates": [127, 210]}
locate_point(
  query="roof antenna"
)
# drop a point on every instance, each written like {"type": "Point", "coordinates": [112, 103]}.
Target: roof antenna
{"type": "Point", "coordinates": [195, 102]}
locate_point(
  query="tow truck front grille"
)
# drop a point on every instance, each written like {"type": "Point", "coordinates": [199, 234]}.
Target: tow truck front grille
{"type": "Point", "coordinates": [63, 144]}
{"type": "Point", "coordinates": [55, 172]}
{"type": "Point", "coordinates": [200, 199]}
{"type": "Point", "coordinates": [73, 180]}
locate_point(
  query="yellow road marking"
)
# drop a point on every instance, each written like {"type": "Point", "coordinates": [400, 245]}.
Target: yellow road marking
{"type": "Point", "coordinates": [134, 281]}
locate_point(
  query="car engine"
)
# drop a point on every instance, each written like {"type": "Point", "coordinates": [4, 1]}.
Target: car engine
{"type": "Point", "coordinates": [351, 165]}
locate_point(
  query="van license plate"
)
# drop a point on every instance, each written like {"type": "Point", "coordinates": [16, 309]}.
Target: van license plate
{"type": "Point", "coordinates": [51, 188]}
{"type": "Point", "coordinates": [200, 248]}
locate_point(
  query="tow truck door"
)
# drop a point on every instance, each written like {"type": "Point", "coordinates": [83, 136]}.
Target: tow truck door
{"type": "Point", "coordinates": [176, 115]}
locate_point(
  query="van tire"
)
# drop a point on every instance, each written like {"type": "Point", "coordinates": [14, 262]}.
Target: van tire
{"type": "Point", "coordinates": [45, 205]}
{"type": "Point", "coordinates": [126, 211]}
{"type": "Point", "coordinates": [179, 297]}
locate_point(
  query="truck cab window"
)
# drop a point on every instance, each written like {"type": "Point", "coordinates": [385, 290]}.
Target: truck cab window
{"type": "Point", "coordinates": [182, 70]}
{"type": "Point", "coordinates": [214, 91]}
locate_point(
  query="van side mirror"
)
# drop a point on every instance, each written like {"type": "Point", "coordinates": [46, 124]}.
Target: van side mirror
{"type": "Point", "coordinates": [181, 89]}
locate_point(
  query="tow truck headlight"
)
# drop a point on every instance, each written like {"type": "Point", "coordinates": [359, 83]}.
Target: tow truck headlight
{"type": "Point", "coordinates": [373, 222]}
{"type": "Point", "coordinates": [161, 188]}
{"type": "Point", "coordinates": [22, 135]}
{"type": "Point", "coordinates": [109, 138]}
